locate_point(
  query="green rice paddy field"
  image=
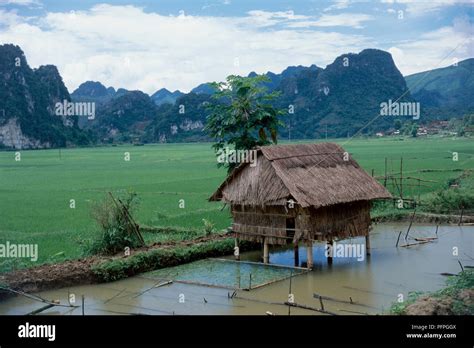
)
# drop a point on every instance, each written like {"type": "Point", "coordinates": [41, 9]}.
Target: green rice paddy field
{"type": "Point", "coordinates": [35, 192]}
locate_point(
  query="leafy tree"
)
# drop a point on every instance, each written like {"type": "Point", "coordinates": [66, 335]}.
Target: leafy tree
{"type": "Point", "coordinates": [241, 115]}
{"type": "Point", "coordinates": [397, 124]}
{"type": "Point", "coordinates": [407, 128]}
{"type": "Point", "coordinates": [453, 122]}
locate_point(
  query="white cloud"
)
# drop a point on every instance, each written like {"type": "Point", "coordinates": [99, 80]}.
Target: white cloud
{"type": "Point", "coordinates": [419, 8]}
{"type": "Point", "coordinates": [339, 5]}
{"type": "Point", "coordinates": [354, 20]}
{"type": "Point", "coordinates": [176, 52]}
{"type": "Point", "coordinates": [124, 46]}
{"type": "Point", "coordinates": [21, 2]}
{"type": "Point", "coordinates": [266, 18]}
{"type": "Point", "coordinates": [433, 50]}
{"type": "Point", "coordinates": [9, 18]}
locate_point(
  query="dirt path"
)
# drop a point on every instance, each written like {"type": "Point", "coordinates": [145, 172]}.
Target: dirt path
{"type": "Point", "coordinates": [79, 272]}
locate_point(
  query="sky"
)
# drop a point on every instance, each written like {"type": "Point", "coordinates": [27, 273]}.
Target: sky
{"type": "Point", "coordinates": [176, 44]}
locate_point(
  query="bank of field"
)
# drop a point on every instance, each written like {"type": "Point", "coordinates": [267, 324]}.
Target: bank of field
{"type": "Point", "coordinates": [36, 192]}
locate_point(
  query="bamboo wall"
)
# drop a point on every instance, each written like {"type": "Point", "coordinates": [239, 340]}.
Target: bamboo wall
{"type": "Point", "coordinates": [336, 222]}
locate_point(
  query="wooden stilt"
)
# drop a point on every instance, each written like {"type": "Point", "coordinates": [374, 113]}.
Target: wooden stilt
{"type": "Point", "coordinates": [309, 252]}
{"type": "Point", "coordinates": [296, 251]}
{"type": "Point", "coordinates": [266, 253]}
{"type": "Point", "coordinates": [329, 247]}
{"type": "Point", "coordinates": [367, 244]}
{"type": "Point", "coordinates": [460, 219]}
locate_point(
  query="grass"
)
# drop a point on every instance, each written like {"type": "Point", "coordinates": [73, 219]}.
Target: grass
{"type": "Point", "coordinates": [455, 285]}
{"type": "Point", "coordinates": [161, 258]}
{"type": "Point", "coordinates": [36, 191]}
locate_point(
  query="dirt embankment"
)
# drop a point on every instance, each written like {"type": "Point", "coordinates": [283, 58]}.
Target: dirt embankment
{"type": "Point", "coordinates": [429, 305]}
{"type": "Point", "coordinates": [81, 272]}
{"type": "Point", "coordinates": [421, 217]}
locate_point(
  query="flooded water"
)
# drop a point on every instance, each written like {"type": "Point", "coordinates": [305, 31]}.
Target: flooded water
{"type": "Point", "coordinates": [371, 284]}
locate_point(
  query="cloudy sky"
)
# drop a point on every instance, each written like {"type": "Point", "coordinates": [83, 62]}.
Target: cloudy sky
{"type": "Point", "coordinates": [179, 44]}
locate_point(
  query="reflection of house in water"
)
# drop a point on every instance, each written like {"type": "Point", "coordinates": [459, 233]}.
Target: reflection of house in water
{"type": "Point", "coordinates": [300, 194]}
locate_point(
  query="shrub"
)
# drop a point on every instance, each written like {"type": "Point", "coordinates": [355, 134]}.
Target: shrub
{"type": "Point", "coordinates": [208, 226]}
{"type": "Point", "coordinates": [446, 201]}
{"type": "Point", "coordinates": [117, 231]}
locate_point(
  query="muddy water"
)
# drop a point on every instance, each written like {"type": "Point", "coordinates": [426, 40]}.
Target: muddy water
{"type": "Point", "coordinates": [372, 284]}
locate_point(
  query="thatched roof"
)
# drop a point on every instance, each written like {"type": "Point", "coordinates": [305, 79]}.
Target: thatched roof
{"type": "Point", "coordinates": [311, 174]}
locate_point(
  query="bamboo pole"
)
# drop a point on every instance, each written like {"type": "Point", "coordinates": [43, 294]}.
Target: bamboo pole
{"type": "Point", "coordinates": [35, 297]}
{"type": "Point", "coordinates": [367, 244]}
{"type": "Point", "coordinates": [132, 221]}
{"type": "Point", "coordinates": [355, 312]}
{"type": "Point", "coordinates": [401, 177]}
{"type": "Point", "coordinates": [266, 252]}
{"type": "Point", "coordinates": [128, 217]}
{"type": "Point", "coordinates": [329, 245]}
{"type": "Point", "coordinates": [460, 218]}
{"type": "Point", "coordinates": [303, 270]}
{"type": "Point", "coordinates": [285, 304]}
{"type": "Point", "coordinates": [296, 252]}
{"type": "Point", "coordinates": [289, 292]}
{"type": "Point", "coordinates": [309, 251]}
{"type": "Point", "coordinates": [411, 222]}
{"type": "Point", "coordinates": [398, 239]}
{"type": "Point", "coordinates": [351, 302]}
{"type": "Point", "coordinates": [411, 244]}
{"type": "Point", "coordinates": [157, 285]}
{"type": "Point", "coordinates": [39, 310]}
{"type": "Point", "coordinates": [309, 308]}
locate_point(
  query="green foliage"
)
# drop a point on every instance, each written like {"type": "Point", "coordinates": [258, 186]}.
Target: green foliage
{"type": "Point", "coordinates": [455, 285]}
{"type": "Point", "coordinates": [29, 97]}
{"type": "Point", "coordinates": [450, 200]}
{"type": "Point", "coordinates": [399, 308]}
{"type": "Point", "coordinates": [397, 124]}
{"type": "Point", "coordinates": [160, 258]}
{"type": "Point", "coordinates": [446, 91]}
{"type": "Point", "coordinates": [124, 115]}
{"type": "Point", "coordinates": [208, 226]}
{"type": "Point", "coordinates": [166, 127]}
{"type": "Point", "coordinates": [117, 231]}
{"type": "Point", "coordinates": [41, 181]}
{"type": "Point", "coordinates": [241, 115]}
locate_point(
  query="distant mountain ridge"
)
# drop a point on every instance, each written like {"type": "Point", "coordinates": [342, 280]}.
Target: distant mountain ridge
{"type": "Point", "coordinates": [342, 99]}
{"type": "Point", "coordinates": [163, 96]}
{"type": "Point", "coordinates": [445, 91]}
{"type": "Point", "coordinates": [27, 105]}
